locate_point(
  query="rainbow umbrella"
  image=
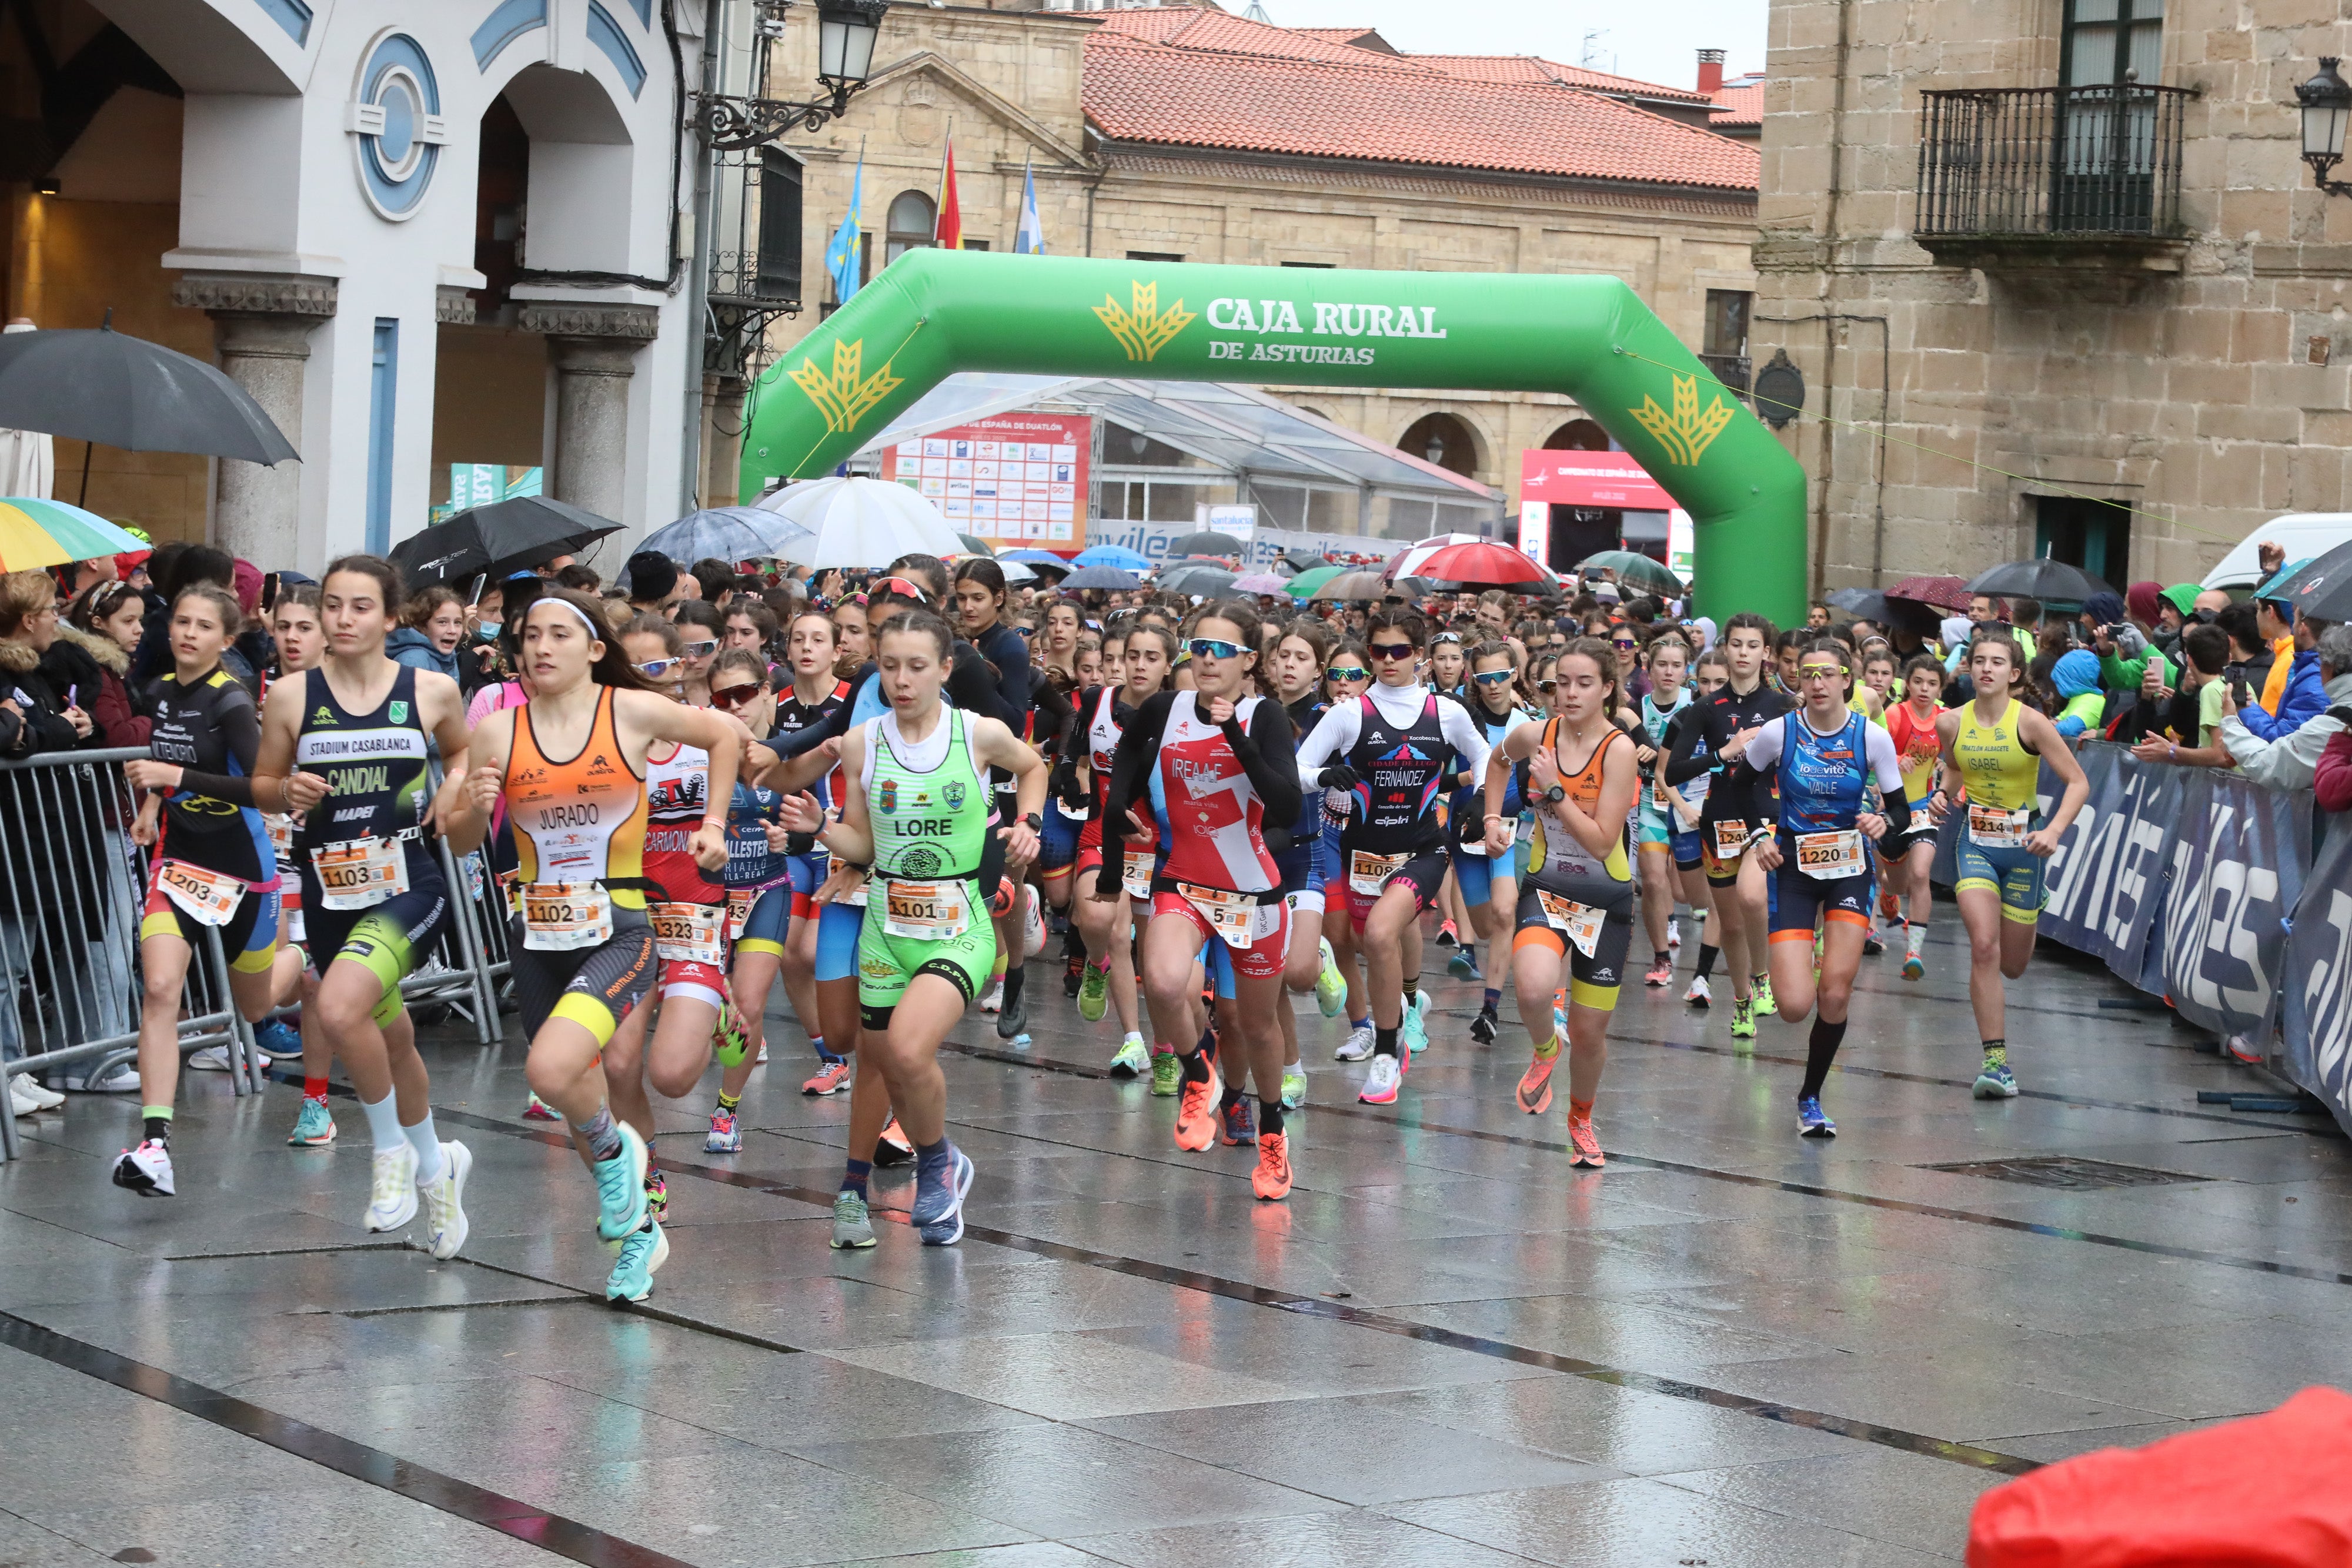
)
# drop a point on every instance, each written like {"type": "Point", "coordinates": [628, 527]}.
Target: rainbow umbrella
{"type": "Point", "coordinates": [35, 532]}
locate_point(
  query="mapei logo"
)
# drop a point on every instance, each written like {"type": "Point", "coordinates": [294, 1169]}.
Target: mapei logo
{"type": "Point", "coordinates": [845, 395]}
{"type": "Point", "coordinates": [1144, 329]}
{"type": "Point", "coordinates": [1686, 433]}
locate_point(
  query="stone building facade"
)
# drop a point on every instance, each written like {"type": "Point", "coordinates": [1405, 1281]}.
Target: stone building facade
{"type": "Point", "coordinates": [2058, 269]}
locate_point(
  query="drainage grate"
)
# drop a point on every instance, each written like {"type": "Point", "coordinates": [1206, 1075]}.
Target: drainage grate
{"type": "Point", "coordinates": [2066, 1171]}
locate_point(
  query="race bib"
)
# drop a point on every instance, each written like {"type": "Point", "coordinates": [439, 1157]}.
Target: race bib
{"type": "Point", "coordinates": [281, 837]}
{"type": "Point", "coordinates": [561, 917]}
{"type": "Point", "coordinates": [925, 911]}
{"type": "Point", "coordinates": [359, 874]}
{"type": "Point", "coordinates": [1367, 874]}
{"type": "Point", "coordinates": [1830, 856]}
{"type": "Point", "coordinates": [740, 901]}
{"type": "Point", "coordinates": [1995, 829]}
{"type": "Point", "coordinates": [1730, 837]}
{"type": "Point", "coordinates": [1580, 923]}
{"type": "Point", "coordinates": [1229, 915]}
{"type": "Point", "coordinates": [689, 933]}
{"type": "Point", "coordinates": [206, 897]}
{"type": "Point", "coordinates": [1135, 873]}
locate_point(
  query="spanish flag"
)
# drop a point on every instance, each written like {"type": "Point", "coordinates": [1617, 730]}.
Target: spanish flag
{"type": "Point", "coordinates": [949, 233]}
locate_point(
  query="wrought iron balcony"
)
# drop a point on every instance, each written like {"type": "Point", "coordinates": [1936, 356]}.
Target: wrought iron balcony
{"type": "Point", "coordinates": [1731, 370]}
{"type": "Point", "coordinates": [2053, 177]}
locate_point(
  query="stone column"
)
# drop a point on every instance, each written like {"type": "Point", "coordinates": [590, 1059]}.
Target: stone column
{"type": "Point", "coordinates": [723, 480]}
{"type": "Point", "coordinates": [262, 324]}
{"type": "Point", "coordinates": [594, 349]}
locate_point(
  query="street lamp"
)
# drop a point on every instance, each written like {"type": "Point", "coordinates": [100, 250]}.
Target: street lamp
{"type": "Point", "coordinates": [846, 31]}
{"type": "Point", "coordinates": [2326, 101]}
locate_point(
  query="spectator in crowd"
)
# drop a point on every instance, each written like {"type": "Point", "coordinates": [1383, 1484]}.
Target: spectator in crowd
{"type": "Point", "coordinates": [2025, 620]}
{"type": "Point", "coordinates": [653, 585]}
{"type": "Point", "coordinates": [2292, 692]}
{"type": "Point", "coordinates": [2331, 781]}
{"type": "Point", "coordinates": [578, 575]}
{"type": "Point", "coordinates": [2250, 656]}
{"type": "Point", "coordinates": [714, 580]}
{"type": "Point", "coordinates": [178, 566]}
{"type": "Point", "coordinates": [2117, 634]}
{"type": "Point", "coordinates": [2291, 761]}
{"type": "Point", "coordinates": [42, 679]}
{"type": "Point", "coordinates": [105, 621]}
{"type": "Point", "coordinates": [432, 625]}
{"type": "Point", "coordinates": [2081, 690]}
{"type": "Point", "coordinates": [1817, 616]}
{"type": "Point", "coordinates": [2207, 650]}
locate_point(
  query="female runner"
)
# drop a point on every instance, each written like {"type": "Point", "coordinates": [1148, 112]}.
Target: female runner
{"type": "Point", "coordinates": [1576, 907]}
{"type": "Point", "coordinates": [354, 730]}
{"type": "Point", "coordinates": [213, 866]}
{"type": "Point", "coordinates": [764, 892]}
{"type": "Point", "coordinates": [1310, 965]}
{"type": "Point", "coordinates": [1825, 756]}
{"type": "Point", "coordinates": [1684, 802]}
{"type": "Point", "coordinates": [1485, 887]}
{"type": "Point", "coordinates": [701, 627]}
{"type": "Point", "coordinates": [979, 612]}
{"type": "Point", "coordinates": [1667, 661]}
{"type": "Point", "coordinates": [1068, 806]}
{"type": "Point", "coordinates": [1215, 764]}
{"type": "Point", "coordinates": [1346, 676]}
{"type": "Point", "coordinates": [570, 766]}
{"type": "Point", "coordinates": [1993, 748]}
{"type": "Point", "coordinates": [1911, 725]}
{"type": "Point", "coordinates": [814, 695]}
{"type": "Point", "coordinates": [1148, 652]}
{"type": "Point", "coordinates": [915, 810]}
{"type": "Point", "coordinates": [1057, 647]}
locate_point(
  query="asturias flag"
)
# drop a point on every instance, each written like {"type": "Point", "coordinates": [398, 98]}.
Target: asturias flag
{"type": "Point", "coordinates": [950, 234]}
{"type": "Point", "coordinates": [1028, 234]}
{"type": "Point", "coordinates": [841, 256]}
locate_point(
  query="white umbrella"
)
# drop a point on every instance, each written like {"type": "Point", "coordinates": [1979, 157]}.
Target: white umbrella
{"type": "Point", "coordinates": [1407, 562]}
{"type": "Point", "coordinates": [861, 523]}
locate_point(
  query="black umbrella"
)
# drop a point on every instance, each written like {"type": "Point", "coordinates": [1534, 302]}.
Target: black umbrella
{"type": "Point", "coordinates": [2321, 587]}
{"type": "Point", "coordinates": [1205, 577]}
{"type": "Point", "coordinates": [1305, 559]}
{"type": "Point", "coordinates": [1871, 605]}
{"type": "Point", "coordinates": [105, 386]}
{"type": "Point", "coordinates": [1207, 544]}
{"type": "Point", "coordinates": [503, 537]}
{"type": "Point", "coordinates": [2052, 582]}
{"type": "Point", "coordinates": [1109, 577]}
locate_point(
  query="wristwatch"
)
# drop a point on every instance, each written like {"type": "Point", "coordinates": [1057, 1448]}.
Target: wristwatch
{"type": "Point", "coordinates": [1554, 796]}
{"type": "Point", "coordinates": [1036, 823]}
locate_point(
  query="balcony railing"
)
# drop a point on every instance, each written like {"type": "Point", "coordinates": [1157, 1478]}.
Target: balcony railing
{"type": "Point", "coordinates": [2099, 163]}
{"type": "Point", "coordinates": [1731, 370]}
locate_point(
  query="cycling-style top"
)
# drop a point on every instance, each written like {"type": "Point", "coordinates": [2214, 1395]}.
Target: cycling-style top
{"type": "Point", "coordinates": [1557, 859]}
{"type": "Point", "coordinates": [794, 716]}
{"type": "Point", "coordinates": [1400, 773]}
{"type": "Point", "coordinates": [1824, 780]}
{"type": "Point", "coordinates": [1210, 817]}
{"type": "Point", "coordinates": [749, 861]}
{"type": "Point", "coordinates": [1916, 750]}
{"type": "Point", "coordinates": [212, 731]}
{"type": "Point", "coordinates": [1100, 742]}
{"type": "Point", "coordinates": [1655, 721]}
{"type": "Point", "coordinates": [677, 797]}
{"type": "Point", "coordinates": [375, 765]}
{"type": "Point", "coordinates": [1716, 718]}
{"type": "Point", "coordinates": [1994, 764]}
{"type": "Point", "coordinates": [583, 819]}
{"type": "Point", "coordinates": [927, 800]}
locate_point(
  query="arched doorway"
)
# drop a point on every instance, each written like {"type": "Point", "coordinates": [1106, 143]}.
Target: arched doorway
{"type": "Point", "coordinates": [913, 224]}
{"type": "Point", "coordinates": [1441, 439]}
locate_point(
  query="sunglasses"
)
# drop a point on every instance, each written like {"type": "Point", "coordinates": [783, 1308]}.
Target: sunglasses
{"type": "Point", "coordinates": [1547, 686]}
{"type": "Point", "coordinates": [1352, 672]}
{"type": "Point", "coordinates": [1820, 672]}
{"type": "Point", "coordinates": [735, 696]}
{"type": "Point", "coordinates": [1493, 677]}
{"type": "Point", "coordinates": [658, 668]}
{"type": "Point", "coordinates": [1392, 651]}
{"type": "Point", "coordinates": [1445, 637]}
{"type": "Point", "coordinates": [1626, 643]}
{"type": "Point", "coordinates": [701, 650]}
{"type": "Point", "coordinates": [1027, 630]}
{"type": "Point", "coordinates": [1214, 648]}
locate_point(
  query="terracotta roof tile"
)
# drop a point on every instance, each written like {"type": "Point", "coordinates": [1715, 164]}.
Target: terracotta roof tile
{"type": "Point", "coordinates": [1743, 105]}
{"type": "Point", "coordinates": [1532, 68]}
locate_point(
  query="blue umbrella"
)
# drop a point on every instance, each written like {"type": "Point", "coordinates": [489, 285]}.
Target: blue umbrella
{"type": "Point", "coordinates": [1113, 555]}
{"type": "Point", "coordinates": [728, 533]}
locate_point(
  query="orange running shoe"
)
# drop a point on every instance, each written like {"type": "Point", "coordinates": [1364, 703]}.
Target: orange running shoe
{"type": "Point", "coordinates": [1585, 1141]}
{"type": "Point", "coordinates": [1534, 1091]}
{"type": "Point", "coordinates": [1271, 1180]}
{"type": "Point", "coordinates": [1196, 1111]}
{"type": "Point", "coordinates": [894, 1147]}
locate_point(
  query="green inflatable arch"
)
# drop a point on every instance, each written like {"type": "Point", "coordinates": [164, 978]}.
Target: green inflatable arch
{"type": "Point", "coordinates": [934, 312]}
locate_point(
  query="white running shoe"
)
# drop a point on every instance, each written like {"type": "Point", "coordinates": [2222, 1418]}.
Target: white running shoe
{"type": "Point", "coordinates": [1380, 1083]}
{"type": "Point", "coordinates": [1674, 933]}
{"type": "Point", "coordinates": [145, 1170]}
{"type": "Point", "coordinates": [392, 1203]}
{"type": "Point", "coordinates": [445, 1201]}
{"type": "Point", "coordinates": [1032, 923]}
{"type": "Point", "coordinates": [27, 1087]}
{"type": "Point", "coordinates": [1700, 993]}
{"type": "Point", "coordinates": [214, 1059]}
{"type": "Point", "coordinates": [1357, 1046]}
{"type": "Point", "coordinates": [993, 1002]}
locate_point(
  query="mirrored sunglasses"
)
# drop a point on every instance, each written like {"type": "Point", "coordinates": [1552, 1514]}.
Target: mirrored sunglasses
{"type": "Point", "coordinates": [1214, 648]}
{"type": "Point", "coordinates": [734, 696]}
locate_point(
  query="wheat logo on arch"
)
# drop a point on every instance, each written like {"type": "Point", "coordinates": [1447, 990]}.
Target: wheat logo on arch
{"type": "Point", "coordinates": [841, 394]}
{"type": "Point", "coordinates": [1686, 433]}
{"type": "Point", "coordinates": [1146, 328]}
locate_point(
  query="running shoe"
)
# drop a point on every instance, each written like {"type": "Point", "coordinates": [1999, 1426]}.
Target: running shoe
{"type": "Point", "coordinates": [1483, 1028]}
{"type": "Point", "coordinates": [993, 1002]}
{"type": "Point", "coordinates": [315, 1127]}
{"type": "Point", "coordinates": [1873, 944]}
{"type": "Point", "coordinates": [1585, 1143]}
{"type": "Point", "coordinates": [392, 1202]}
{"type": "Point", "coordinates": [1812, 1121]}
{"type": "Point", "coordinates": [893, 1148]}
{"type": "Point", "coordinates": [1239, 1126]}
{"type": "Point", "coordinates": [1012, 1019]}
{"type": "Point", "coordinates": [2242, 1049]}
{"type": "Point", "coordinates": [939, 1210]}
{"type": "Point", "coordinates": [1357, 1045]}
{"type": "Point", "coordinates": [1661, 973]}
{"type": "Point", "coordinates": [1764, 1002]}
{"type": "Point", "coordinates": [1445, 935]}
{"type": "Point", "coordinates": [1294, 1089]}
{"type": "Point", "coordinates": [1914, 966]}
{"type": "Point", "coordinates": [1074, 972]}
{"type": "Point", "coordinates": [445, 1201]}
{"type": "Point", "coordinates": [278, 1039]}
{"type": "Point", "coordinates": [1701, 994]}
{"type": "Point", "coordinates": [1463, 964]}
{"type": "Point", "coordinates": [214, 1059]}
{"type": "Point", "coordinates": [1093, 992]}
{"type": "Point", "coordinates": [1673, 934]}
{"type": "Point", "coordinates": [539, 1110]}
{"type": "Point", "coordinates": [1167, 1073]}
{"type": "Point", "coordinates": [147, 1169]}
{"type": "Point", "coordinates": [1996, 1083]}
{"type": "Point", "coordinates": [1889, 906]}
{"type": "Point", "coordinates": [645, 1250]}
{"type": "Point", "coordinates": [657, 1196]}
{"type": "Point", "coordinates": [1415, 1035]}
{"type": "Point", "coordinates": [620, 1187]}
{"type": "Point", "coordinates": [1380, 1083]}
{"type": "Point", "coordinates": [726, 1135]}
{"type": "Point", "coordinates": [1032, 922]}
{"type": "Point", "coordinates": [1271, 1180]}
{"type": "Point", "coordinates": [1133, 1058]}
{"type": "Point", "coordinates": [733, 1040]}
{"type": "Point", "coordinates": [852, 1225]}
{"type": "Point", "coordinates": [1330, 985]}
{"type": "Point", "coordinates": [18, 1104]}
{"type": "Point", "coordinates": [832, 1077]}
{"type": "Point", "coordinates": [1196, 1110]}
{"type": "Point", "coordinates": [761, 1059]}
{"type": "Point", "coordinates": [26, 1087]}
{"type": "Point", "coordinates": [1743, 1017]}
{"type": "Point", "coordinates": [1534, 1092]}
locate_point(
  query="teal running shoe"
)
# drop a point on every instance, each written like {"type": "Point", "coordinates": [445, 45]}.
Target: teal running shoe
{"type": "Point", "coordinates": [1415, 1032]}
{"type": "Point", "coordinates": [1167, 1073]}
{"type": "Point", "coordinates": [1134, 1058]}
{"type": "Point", "coordinates": [1294, 1089]}
{"type": "Point", "coordinates": [1812, 1121]}
{"type": "Point", "coordinates": [621, 1186]}
{"type": "Point", "coordinates": [852, 1225]}
{"type": "Point", "coordinates": [1996, 1083]}
{"type": "Point", "coordinates": [315, 1127]}
{"type": "Point", "coordinates": [1463, 964]}
{"type": "Point", "coordinates": [1094, 993]}
{"type": "Point", "coordinates": [647, 1249]}
{"type": "Point", "coordinates": [1331, 985]}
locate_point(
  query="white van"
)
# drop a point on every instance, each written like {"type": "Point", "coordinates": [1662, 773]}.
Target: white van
{"type": "Point", "coordinates": [2303, 535]}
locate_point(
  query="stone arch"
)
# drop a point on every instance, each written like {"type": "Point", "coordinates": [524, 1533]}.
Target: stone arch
{"type": "Point", "coordinates": [910, 223]}
{"type": "Point", "coordinates": [1445, 438]}
{"type": "Point", "coordinates": [581, 185]}
{"type": "Point", "coordinates": [1578, 436]}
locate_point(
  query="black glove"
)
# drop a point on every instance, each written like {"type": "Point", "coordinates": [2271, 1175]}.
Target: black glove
{"type": "Point", "coordinates": [1339, 776]}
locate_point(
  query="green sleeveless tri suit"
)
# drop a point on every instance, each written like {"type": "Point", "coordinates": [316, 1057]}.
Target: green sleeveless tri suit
{"type": "Point", "coordinates": [931, 829]}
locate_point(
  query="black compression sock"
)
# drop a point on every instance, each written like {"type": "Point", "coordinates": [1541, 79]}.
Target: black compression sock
{"type": "Point", "coordinates": [1269, 1118]}
{"type": "Point", "coordinates": [1196, 1067]}
{"type": "Point", "coordinates": [1384, 1042]}
{"type": "Point", "coordinates": [1820, 1051]}
{"type": "Point", "coordinates": [158, 1128]}
{"type": "Point", "coordinates": [1230, 1098]}
{"type": "Point", "coordinates": [1013, 978]}
{"type": "Point", "coordinates": [1707, 957]}
{"type": "Point", "coordinates": [1411, 990]}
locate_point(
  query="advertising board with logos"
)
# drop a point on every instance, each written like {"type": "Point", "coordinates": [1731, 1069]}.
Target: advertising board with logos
{"type": "Point", "coordinates": [1017, 480]}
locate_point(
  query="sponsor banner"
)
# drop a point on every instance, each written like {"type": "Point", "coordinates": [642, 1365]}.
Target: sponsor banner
{"type": "Point", "coordinates": [2317, 1005]}
{"type": "Point", "coordinates": [2108, 878]}
{"type": "Point", "coordinates": [1017, 480]}
{"type": "Point", "coordinates": [1239, 521]}
{"type": "Point", "coordinates": [1590, 479]}
{"type": "Point", "coordinates": [1267, 545]}
{"type": "Point", "coordinates": [2236, 872]}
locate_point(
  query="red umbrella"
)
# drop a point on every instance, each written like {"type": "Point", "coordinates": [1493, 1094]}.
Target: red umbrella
{"type": "Point", "coordinates": [1945, 593]}
{"type": "Point", "coordinates": [1482, 565]}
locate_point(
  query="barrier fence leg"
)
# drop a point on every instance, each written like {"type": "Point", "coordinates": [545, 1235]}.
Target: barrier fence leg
{"type": "Point", "coordinates": [235, 1046]}
{"type": "Point", "coordinates": [469, 939]}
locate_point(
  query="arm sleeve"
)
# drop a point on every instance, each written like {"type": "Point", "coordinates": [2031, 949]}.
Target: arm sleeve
{"type": "Point", "coordinates": [1011, 657]}
{"type": "Point", "coordinates": [1054, 710]}
{"type": "Point", "coordinates": [1463, 734]}
{"type": "Point", "coordinates": [971, 689]}
{"type": "Point", "coordinates": [240, 731]}
{"type": "Point", "coordinates": [1131, 769]}
{"type": "Point", "coordinates": [1260, 750]}
{"type": "Point", "coordinates": [811, 736]}
{"type": "Point", "coordinates": [1688, 755]}
{"type": "Point", "coordinates": [1332, 734]}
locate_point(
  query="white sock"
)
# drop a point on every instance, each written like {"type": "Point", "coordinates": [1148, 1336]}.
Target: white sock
{"type": "Point", "coordinates": [1916, 937]}
{"type": "Point", "coordinates": [383, 1123]}
{"type": "Point", "coordinates": [428, 1144]}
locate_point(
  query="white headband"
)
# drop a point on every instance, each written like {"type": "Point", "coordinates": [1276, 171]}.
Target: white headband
{"type": "Point", "coordinates": [594, 634]}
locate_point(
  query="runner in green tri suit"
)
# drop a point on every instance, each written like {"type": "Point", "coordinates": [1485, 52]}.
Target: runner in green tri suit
{"type": "Point", "coordinates": [917, 809]}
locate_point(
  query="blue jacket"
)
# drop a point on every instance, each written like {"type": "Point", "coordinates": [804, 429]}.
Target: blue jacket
{"type": "Point", "coordinates": [2305, 699]}
{"type": "Point", "coordinates": [407, 646]}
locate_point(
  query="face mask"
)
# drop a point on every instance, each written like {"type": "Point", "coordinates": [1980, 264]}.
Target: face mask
{"type": "Point", "coordinates": [488, 631]}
